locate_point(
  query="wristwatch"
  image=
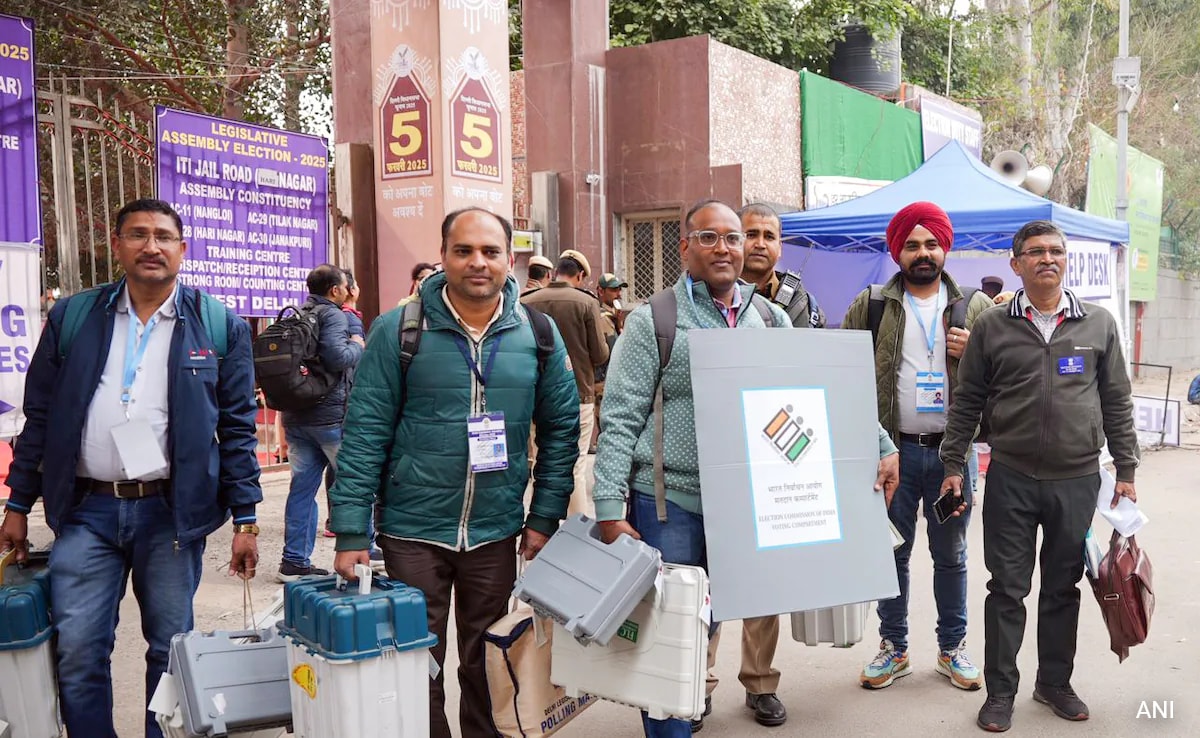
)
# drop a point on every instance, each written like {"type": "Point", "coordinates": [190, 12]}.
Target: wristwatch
{"type": "Point", "coordinates": [251, 528]}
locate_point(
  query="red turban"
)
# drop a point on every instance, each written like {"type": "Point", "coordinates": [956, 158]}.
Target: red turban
{"type": "Point", "coordinates": [919, 214]}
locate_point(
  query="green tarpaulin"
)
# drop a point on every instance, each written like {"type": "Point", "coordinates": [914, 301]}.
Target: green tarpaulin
{"type": "Point", "coordinates": [847, 132]}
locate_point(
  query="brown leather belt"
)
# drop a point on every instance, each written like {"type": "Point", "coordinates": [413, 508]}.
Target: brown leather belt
{"type": "Point", "coordinates": [123, 490]}
{"type": "Point", "coordinates": [928, 440]}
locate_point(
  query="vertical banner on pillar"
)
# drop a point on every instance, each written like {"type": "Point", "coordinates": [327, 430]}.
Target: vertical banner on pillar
{"type": "Point", "coordinates": [255, 207]}
{"type": "Point", "coordinates": [441, 124]}
{"type": "Point", "coordinates": [20, 207]}
{"type": "Point", "coordinates": [408, 119]}
{"type": "Point", "coordinates": [20, 325]}
{"type": "Point", "coordinates": [478, 125]}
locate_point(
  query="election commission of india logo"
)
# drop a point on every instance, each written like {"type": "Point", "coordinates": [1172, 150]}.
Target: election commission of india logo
{"type": "Point", "coordinates": [787, 434]}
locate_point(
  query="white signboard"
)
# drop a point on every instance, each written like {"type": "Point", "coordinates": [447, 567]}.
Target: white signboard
{"type": "Point", "coordinates": [793, 488]}
{"type": "Point", "coordinates": [821, 192]}
{"type": "Point", "coordinates": [1154, 415]}
{"type": "Point", "coordinates": [1091, 270]}
{"type": "Point", "coordinates": [20, 325]}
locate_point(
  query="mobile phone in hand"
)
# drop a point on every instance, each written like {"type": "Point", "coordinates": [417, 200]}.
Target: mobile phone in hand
{"type": "Point", "coordinates": [945, 506]}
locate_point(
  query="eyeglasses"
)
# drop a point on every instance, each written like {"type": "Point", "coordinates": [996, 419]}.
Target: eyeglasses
{"type": "Point", "coordinates": [1057, 252]}
{"type": "Point", "coordinates": [709, 239]}
{"type": "Point", "coordinates": [138, 238]}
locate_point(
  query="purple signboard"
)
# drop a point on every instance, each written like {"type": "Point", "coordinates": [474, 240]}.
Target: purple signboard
{"type": "Point", "coordinates": [941, 124]}
{"type": "Point", "coordinates": [254, 203]}
{"type": "Point", "coordinates": [20, 209]}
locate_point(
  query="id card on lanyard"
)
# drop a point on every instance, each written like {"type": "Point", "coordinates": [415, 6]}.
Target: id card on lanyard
{"type": "Point", "coordinates": [136, 443]}
{"type": "Point", "coordinates": [930, 385]}
{"type": "Point", "coordinates": [487, 439]}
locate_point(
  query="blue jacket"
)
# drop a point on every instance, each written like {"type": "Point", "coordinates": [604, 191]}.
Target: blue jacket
{"type": "Point", "coordinates": [211, 437]}
{"type": "Point", "coordinates": [339, 355]}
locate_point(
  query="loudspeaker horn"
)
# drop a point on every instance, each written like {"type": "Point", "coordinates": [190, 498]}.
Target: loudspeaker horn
{"type": "Point", "coordinates": [1012, 166]}
{"type": "Point", "coordinates": [1038, 180]}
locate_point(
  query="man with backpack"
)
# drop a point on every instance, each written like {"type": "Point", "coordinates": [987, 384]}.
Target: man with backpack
{"type": "Point", "coordinates": [314, 429]}
{"type": "Point", "coordinates": [140, 441]}
{"type": "Point", "coordinates": [438, 431]}
{"type": "Point", "coordinates": [647, 441]}
{"type": "Point", "coordinates": [1049, 371]}
{"type": "Point", "coordinates": [921, 322]}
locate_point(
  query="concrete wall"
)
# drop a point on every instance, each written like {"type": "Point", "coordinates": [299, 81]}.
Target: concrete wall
{"type": "Point", "coordinates": [1171, 324]}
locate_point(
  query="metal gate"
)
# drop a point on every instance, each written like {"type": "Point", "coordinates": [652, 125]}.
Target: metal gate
{"type": "Point", "coordinates": [92, 160]}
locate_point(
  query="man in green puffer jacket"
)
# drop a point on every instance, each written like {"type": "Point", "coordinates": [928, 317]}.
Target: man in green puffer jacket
{"type": "Point", "coordinates": [452, 512]}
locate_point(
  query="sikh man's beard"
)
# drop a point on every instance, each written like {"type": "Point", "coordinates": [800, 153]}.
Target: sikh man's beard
{"type": "Point", "coordinates": [924, 276]}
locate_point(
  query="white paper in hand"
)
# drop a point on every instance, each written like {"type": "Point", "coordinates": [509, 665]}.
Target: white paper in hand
{"type": "Point", "coordinates": [1126, 518]}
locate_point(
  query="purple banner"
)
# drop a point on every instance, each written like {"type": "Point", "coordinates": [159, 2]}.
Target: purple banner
{"type": "Point", "coordinates": [255, 207]}
{"type": "Point", "coordinates": [21, 210]}
{"type": "Point", "coordinates": [941, 124]}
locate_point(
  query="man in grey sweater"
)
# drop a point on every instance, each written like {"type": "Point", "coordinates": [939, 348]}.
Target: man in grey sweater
{"type": "Point", "coordinates": [1049, 372]}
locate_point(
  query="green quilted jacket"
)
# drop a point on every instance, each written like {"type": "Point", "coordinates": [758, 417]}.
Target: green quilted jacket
{"type": "Point", "coordinates": [416, 465]}
{"type": "Point", "coordinates": [891, 333]}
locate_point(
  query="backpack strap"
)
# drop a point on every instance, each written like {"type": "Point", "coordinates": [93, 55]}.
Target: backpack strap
{"type": "Point", "coordinates": [410, 332]}
{"type": "Point", "coordinates": [79, 306]}
{"type": "Point", "coordinates": [213, 315]}
{"type": "Point", "coordinates": [958, 311]}
{"type": "Point", "coordinates": [664, 312]}
{"type": "Point", "coordinates": [764, 311]}
{"type": "Point", "coordinates": [543, 333]}
{"type": "Point", "coordinates": [875, 312]}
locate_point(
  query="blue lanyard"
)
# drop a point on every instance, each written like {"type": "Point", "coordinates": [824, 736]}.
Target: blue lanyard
{"type": "Point", "coordinates": [690, 283]}
{"type": "Point", "coordinates": [930, 332]}
{"type": "Point", "coordinates": [487, 367]}
{"type": "Point", "coordinates": [135, 351]}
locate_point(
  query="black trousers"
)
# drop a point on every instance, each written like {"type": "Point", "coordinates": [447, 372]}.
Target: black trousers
{"type": "Point", "coordinates": [1013, 507]}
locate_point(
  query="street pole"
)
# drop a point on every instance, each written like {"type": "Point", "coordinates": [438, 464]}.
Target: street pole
{"type": "Point", "coordinates": [1123, 94]}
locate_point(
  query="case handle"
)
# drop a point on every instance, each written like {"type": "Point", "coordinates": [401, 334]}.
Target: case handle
{"type": "Point", "coordinates": [364, 574]}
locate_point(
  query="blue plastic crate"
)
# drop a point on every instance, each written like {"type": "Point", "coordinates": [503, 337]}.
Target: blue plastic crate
{"type": "Point", "coordinates": [24, 608]}
{"type": "Point", "coordinates": [344, 625]}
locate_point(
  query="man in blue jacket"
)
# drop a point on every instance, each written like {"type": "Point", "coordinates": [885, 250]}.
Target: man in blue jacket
{"type": "Point", "coordinates": [140, 440]}
{"type": "Point", "coordinates": [314, 435]}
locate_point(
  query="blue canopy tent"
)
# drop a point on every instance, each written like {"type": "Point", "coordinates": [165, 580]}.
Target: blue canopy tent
{"type": "Point", "coordinates": [841, 249]}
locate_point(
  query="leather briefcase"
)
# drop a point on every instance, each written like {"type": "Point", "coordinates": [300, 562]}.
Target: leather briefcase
{"type": "Point", "coordinates": [1124, 587]}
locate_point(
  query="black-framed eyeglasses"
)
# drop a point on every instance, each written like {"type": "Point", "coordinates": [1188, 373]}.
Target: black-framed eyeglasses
{"type": "Point", "coordinates": [139, 238]}
{"type": "Point", "coordinates": [709, 239]}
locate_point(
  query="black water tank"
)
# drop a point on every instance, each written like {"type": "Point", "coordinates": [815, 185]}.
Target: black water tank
{"type": "Point", "coordinates": [864, 62]}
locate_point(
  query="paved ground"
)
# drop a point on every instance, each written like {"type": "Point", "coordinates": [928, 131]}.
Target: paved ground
{"type": "Point", "coordinates": [819, 684]}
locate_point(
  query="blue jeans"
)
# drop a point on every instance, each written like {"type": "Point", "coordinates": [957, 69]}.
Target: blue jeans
{"type": "Point", "coordinates": [311, 448]}
{"type": "Point", "coordinates": [99, 543]}
{"type": "Point", "coordinates": [921, 475]}
{"type": "Point", "coordinates": [681, 541]}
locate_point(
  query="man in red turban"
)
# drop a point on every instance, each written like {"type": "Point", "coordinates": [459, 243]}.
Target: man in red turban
{"type": "Point", "coordinates": [918, 345]}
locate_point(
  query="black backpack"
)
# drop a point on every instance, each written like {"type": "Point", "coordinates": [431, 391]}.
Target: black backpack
{"type": "Point", "coordinates": [412, 325]}
{"type": "Point", "coordinates": [287, 364]}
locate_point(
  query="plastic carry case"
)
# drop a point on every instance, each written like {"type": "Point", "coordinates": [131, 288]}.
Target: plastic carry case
{"type": "Point", "coordinates": [657, 661]}
{"type": "Point", "coordinates": [842, 626]}
{"type": "Point", "coordinates": [586, 586]}
{"type": "Point", "coordinates": [231, 681]}
{"type": "Point", "coordinates": [358, 658]}
{"type": "Point", "coordinates": [29, 704]}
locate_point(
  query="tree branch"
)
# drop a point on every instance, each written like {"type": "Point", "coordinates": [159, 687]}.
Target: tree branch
{"type": "Point", "coordinates": [162, 17]}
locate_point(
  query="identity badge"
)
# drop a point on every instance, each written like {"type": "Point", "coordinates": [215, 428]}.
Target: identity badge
{"type": "Point", "coordinates": [1070, 365]}
{"type": "Point", "coordinates": [931, 392]}
{"type": "Point", "coordinates": [488, 442]}
{"type": "Point", "coordinates": [138, 448]}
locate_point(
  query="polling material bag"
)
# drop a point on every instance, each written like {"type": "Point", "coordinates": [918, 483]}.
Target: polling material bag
{"type": "Point", "coordinates": [524, 702]}
{"type": "Point", "coordinates": [1124, 586]}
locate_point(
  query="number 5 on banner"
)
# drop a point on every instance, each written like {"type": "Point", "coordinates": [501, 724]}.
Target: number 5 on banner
{"type": "Point", "coordinates": [407, 136]}
{"type": "Point", "coordinates": [475, 129]}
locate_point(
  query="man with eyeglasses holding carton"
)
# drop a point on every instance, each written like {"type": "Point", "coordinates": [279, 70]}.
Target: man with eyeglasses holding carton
{"type": "Point", "coordinates": [140, 440]}
{"type": "Point", "coordinates": [707, 295]}
{"type": "Point", "coordinates": [1051, 373]}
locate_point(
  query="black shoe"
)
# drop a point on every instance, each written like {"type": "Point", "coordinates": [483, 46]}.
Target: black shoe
{"type": "Point", "coordinates": [1063, 700]}
{"type": "Point", "coordinates": [699, 722]}
{"type": "Point", "coordinates": [289, 572]}
{"type": "Point", "coordinates": [996, 714]}
{"type": "Point", "coordinates": [768, 710]}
